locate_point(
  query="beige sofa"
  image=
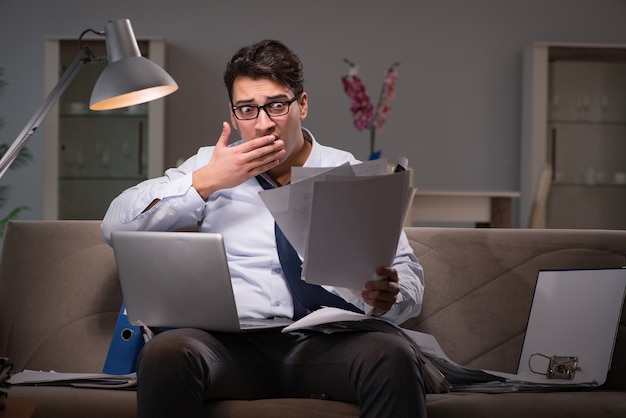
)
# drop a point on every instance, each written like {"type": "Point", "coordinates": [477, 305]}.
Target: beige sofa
{"type": "Point", "coordinates": [59, 300]}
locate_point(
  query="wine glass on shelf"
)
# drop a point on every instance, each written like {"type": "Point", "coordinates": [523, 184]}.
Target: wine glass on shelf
{"type": "Point", "coordinates": [555, 104]}
{"type": "Point", "coordinates": [604, 107]}
{"type": "Point", "coordinates": [585, 106]}
{"type": "Point", "coordinates": [577, 107]}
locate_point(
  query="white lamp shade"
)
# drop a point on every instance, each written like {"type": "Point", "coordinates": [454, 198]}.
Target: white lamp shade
{"type": "Point", "coordinates": [129, 82]}
{"type": "Point", "coordinates": [129, 79]}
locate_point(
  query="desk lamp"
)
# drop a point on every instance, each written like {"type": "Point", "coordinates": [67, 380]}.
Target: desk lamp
{"type": "Point", "coordinates": [129, 79]}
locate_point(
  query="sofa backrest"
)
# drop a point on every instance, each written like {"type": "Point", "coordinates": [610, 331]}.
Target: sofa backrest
{"type": "Point", "coordinates": [59, 296]}
{"type": "Point", "coordinates": [479, 285]}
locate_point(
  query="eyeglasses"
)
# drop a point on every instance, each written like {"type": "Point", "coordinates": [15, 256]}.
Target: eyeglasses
{"type": "Point", "coordinates": [273, 109]}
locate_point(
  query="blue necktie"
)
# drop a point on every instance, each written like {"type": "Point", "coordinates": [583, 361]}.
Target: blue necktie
{"type": "Point", "coordinates": [306, 297]}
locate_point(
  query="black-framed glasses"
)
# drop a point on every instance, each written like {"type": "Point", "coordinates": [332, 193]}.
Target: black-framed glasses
{"type": "Point", "coordinates": [273, 109]}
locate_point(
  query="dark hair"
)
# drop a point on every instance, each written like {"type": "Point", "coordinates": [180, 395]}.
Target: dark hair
{"type": "Point", "coordinates": [266, 59]}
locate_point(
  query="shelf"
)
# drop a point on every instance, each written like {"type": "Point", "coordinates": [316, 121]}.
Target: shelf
{"type": "Point", "coordinates": [590, 186]}
{"type": "Point", "coordinates": [586, 123]}
{"type": "Point", "coordinates": [95, 178]}
{"type": "Point", "coordinates": [104, 115]}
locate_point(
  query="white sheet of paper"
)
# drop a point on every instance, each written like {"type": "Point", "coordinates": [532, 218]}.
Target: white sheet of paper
{"type": "Point", "coordinates": [354, 228]}
{"type": "Point", "coordinates": [407, 199]}
{"type": "Point", "coordinates": [371, 168]}
{"type": "Point", "coordinates": [290, 205]}
{"type": "Point", "coordinates": [367, 168]}
{"type": "Point", "coordinates": [299, 174]}
{"type": "Point", "coordinates": [325, 315]}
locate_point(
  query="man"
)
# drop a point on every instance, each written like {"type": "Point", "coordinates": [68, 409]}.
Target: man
{"type": "Point", "coordinates": [218, 189]}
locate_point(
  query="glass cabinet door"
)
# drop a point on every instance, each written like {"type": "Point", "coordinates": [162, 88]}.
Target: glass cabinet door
{"type": "Point", "coordinates": [587, 138]}
{"type": "Point", "coordinates": [575, 123]}
{"type": "Point", "coordinates": [99, 156]}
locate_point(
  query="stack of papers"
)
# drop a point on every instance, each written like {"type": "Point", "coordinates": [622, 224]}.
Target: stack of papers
{"type": "Point", "coordinates": [345, 221]}
{"type": "Point", "coordinates": [84, 380]}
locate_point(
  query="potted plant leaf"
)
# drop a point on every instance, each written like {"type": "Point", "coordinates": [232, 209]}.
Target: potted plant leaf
{"type": "Point", "coordinates": [21, 160]}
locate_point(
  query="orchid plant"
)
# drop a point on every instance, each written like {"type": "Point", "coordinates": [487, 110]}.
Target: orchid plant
{"type": "Point", "coordinates": [363, 111]}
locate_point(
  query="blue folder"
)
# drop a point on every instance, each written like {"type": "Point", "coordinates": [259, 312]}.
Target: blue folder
{"type": "Point", "coordinates": [126, 342]}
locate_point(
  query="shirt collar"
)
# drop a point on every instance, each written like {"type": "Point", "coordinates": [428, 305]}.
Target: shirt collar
{"type": "Point", "coordinates": [315, 158]}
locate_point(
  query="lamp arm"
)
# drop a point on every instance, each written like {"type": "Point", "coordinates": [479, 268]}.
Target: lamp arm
{"type": "Point", "coordinates": [84, 56]}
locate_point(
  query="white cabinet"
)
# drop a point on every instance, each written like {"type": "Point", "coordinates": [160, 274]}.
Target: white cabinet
{"type": "Point", "coordinates": [574, 121]}
{"type": "Point", "coordinates": [90, 157]}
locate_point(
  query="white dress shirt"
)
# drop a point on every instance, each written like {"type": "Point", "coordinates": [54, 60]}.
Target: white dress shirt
{"type": "Point", "coordinates": [239, 214]}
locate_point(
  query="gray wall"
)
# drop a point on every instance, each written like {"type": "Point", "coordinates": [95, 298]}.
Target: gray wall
{"type": "Point", "coordinates": [457, 111]}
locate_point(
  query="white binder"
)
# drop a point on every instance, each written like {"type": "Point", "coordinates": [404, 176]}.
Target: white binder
{"type": "Point", "coordinates": [575, 313]}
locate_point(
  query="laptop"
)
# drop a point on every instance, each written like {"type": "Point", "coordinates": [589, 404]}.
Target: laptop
{"type": "Point", "coordinates": [180, 280]}
{"type": "Point", "coordinates": [574, 314]}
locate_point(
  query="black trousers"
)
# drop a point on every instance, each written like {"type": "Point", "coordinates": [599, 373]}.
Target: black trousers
{"type": "Point", "coordinates": [181, 369]}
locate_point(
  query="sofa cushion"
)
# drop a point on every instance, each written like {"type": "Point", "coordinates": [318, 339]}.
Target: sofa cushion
{"type": "Point", "coordinates": [70, 402]}
{"type": "Point", "coordinates": [63, 402]}
{"type": "Point", "coordinates": [594, 403]}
